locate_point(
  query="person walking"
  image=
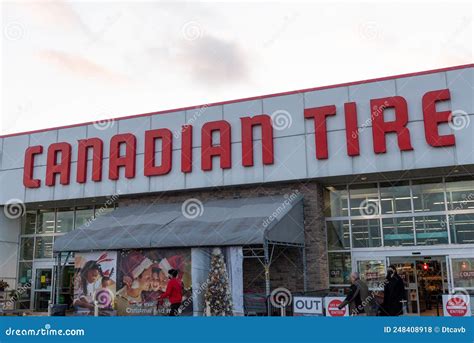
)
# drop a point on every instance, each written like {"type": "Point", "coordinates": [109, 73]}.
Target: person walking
{"type": "Point", "coordinates": [394, 294]}
{"type": "Point", "coordinates": [174, 292]}
{"type": "Point", "coordinates": [361, 302]}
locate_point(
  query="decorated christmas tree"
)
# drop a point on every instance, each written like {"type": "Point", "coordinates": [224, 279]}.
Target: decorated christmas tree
{"type": "Point", "coordinates": [218, 298]}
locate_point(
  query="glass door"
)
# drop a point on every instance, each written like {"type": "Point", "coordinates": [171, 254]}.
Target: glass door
{"type": "Point", "coordinates": [66, 285]}
{"type": "Point", "coordinates": [372, 272]}
{"type": "Point", "coordinates": [43, 277]}
{"type": "Point", "coordinates": [406, 268]}
{"type": "Point", "coordinates": [429, 271]}
{"type": "Point", "coordinates": [462, 273]}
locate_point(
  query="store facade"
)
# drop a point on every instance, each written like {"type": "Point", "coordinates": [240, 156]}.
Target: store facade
{"type": "Point", "coordinates": [382, 169]}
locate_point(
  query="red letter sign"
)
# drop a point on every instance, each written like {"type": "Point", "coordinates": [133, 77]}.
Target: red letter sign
{"type": "Point", "coordinates": [352, 132]}
{"type": "Point", "coordinates": [166, 152]}
{"type": "Point", "coordinates": [127, 161]}
{"type": "Point", "coordinates": [380, 127]}
{"type": "Point", "coordinates": [265, 121]}
{"type": "Point", "coordinates": [63, 168]}
{"type": "Point", "coordinates": [433, 118]}
{"type": "Point", "coordinates": [319, 115]}
{"type": "Point", "coordinates": [187, 148]}
{"type": "Point", "coordinates": [223, 149]}
{"type": "Point", "coordinates": [97, 152]}
{"type": "Point", "coordinates": [30, 153]}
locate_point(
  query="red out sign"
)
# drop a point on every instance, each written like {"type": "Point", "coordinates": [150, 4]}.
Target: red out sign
{"type": "Point", "coordinates": [123, 147]}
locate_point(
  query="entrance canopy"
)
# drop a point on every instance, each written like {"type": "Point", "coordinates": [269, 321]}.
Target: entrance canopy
{"type": "Point", "coordinates": [246, 221]}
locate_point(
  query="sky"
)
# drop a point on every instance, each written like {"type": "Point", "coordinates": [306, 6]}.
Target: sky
{"type": "Point", "coordinates": [67, 62]}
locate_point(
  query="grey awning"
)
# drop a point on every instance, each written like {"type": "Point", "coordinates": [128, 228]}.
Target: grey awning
{"type": "Point", "coordinates": [246, 221]}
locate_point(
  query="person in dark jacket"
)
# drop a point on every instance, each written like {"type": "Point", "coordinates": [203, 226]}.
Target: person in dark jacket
{"type": "Point", "coordinates": [360, 301]}
{"type": "Point", "coordinates": [174, 292]}
{"type": "Point", "coordinates": [394, 294]}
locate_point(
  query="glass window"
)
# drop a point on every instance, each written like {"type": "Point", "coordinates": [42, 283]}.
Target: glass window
{"type": "Point", "coordinates": [428, 196]}
{"type": "Point", "coordinates": [103, 209]}
{"type": "Point", "coordinates": [42, 301]}
{"type": "Point", "coordinates": [23, 302]}
{"type": "Point", "coordinates": [398, 231]}
{"type": "Point", "coordinates": [43, 279]}
{"type": "Point", "coordinates": [463, 272]}
{"type": "Point", "coordinates": [29, 223]}
{"type": "Point", "coordinates": [462, 228]}
{"type": "Point", "coordinates": [366, 233]}
{"type": "Point", "coordinates": [460, 194]}
{"type": "Point", "coordinates": [46, 221]}
{"type": "Point", "coordinates": [65, 220]}
{"type": "Point", "coordinates": [25, 273]}
{"type": "Point", "coordinates": [364, 200]}
{"type": "Point", "coordinates": [395, 198]}
{"type": "Point", "coordinates": [44, 247]}
{"type": "Point", "coordinates": [26, 249]}
{"type": "Point", "coordinates": [83, 215]}
{"type": "Point", "coordinates": [372, 272]}
{"type": "Point", "coordinates": [335, 201]}
{"type": "Point", "coordinates": [339, 268]}
{"type": "Point", "coordinates": [431, 230]}
{"type": "Point", "coordinates": [338, 235]}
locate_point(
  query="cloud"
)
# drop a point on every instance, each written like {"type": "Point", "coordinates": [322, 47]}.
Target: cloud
{"type": "Point", "coordinates": [55, 12]}
{"type": "Point", "coordinates": [81, 66]}
{"type": "Point", "coordinates": [213, 60]}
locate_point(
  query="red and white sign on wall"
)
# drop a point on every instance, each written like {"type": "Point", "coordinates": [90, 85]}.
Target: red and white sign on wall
{"type": "Point", "coordinates": [404, 122]}
{"type": "Point", "coordinates": [456, 305]}
{"type": "Point", "coordinates": [331, 304]}
{"type": "Point", "coordinates": [59, 163]}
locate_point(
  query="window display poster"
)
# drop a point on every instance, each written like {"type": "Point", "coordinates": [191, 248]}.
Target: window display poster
{"type": "Point", "coordinates": [143, 277]}
{"type": "Point", "coordinates": [95, 280]}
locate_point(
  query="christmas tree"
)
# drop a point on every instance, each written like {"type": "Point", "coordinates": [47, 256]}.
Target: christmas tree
{"type": "Point", "coordinates": [218, 297]}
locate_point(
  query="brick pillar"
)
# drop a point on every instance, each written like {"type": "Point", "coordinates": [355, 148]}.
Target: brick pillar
{"type": "Point", "coordinates": [315, 236]}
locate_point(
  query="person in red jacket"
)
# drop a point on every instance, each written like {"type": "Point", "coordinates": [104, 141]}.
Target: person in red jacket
{"type": "Point", "coordinates": [174, 292]}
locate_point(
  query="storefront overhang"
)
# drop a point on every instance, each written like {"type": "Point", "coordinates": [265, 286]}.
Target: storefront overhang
{"type": "Point", "coordinates": [226, 222]}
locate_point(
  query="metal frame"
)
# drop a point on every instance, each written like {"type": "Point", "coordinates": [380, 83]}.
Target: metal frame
{"type": "Point", "coordinates": [447, 213]}
{"type": "Point", "coordinates": [266, 259]}
{"type": "Point", "coordinates": [263, 253]}
{"type": "Point", "coordinates": [50, 261]}
{"type": "Point", "coordinates": [58, 271]}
